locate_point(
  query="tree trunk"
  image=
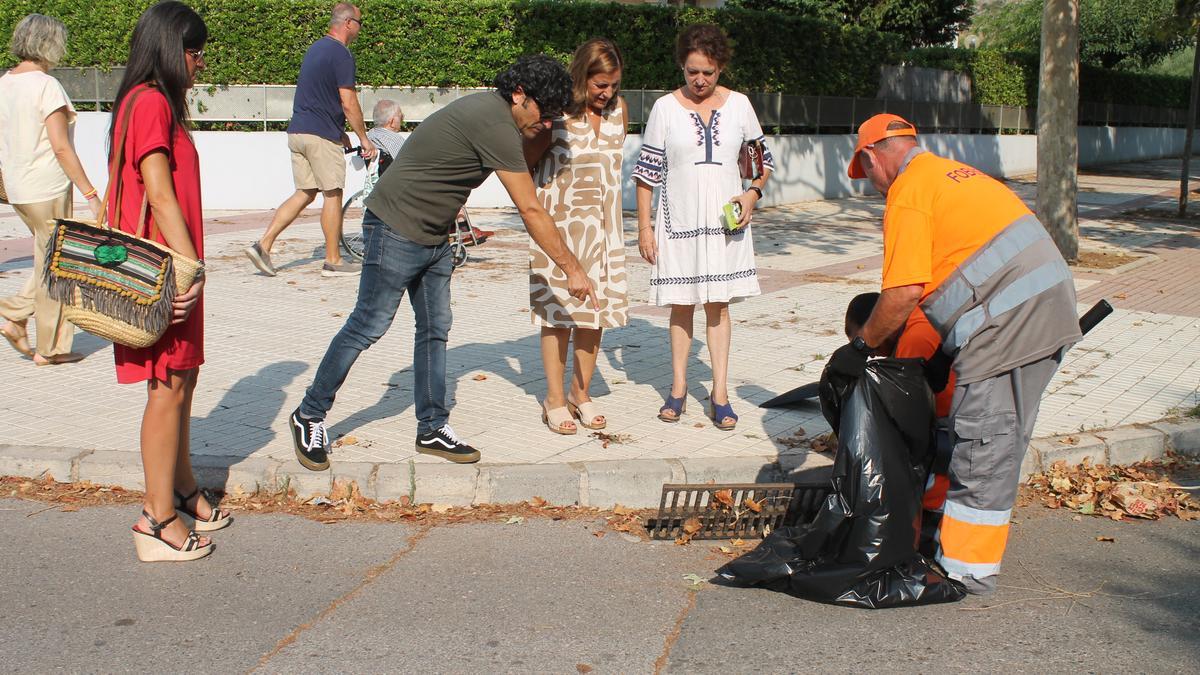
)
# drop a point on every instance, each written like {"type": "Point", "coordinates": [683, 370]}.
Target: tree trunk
{"type": "Point", "coordinates": [1058, 125]}
{"type": "Point", "coordinates": [1185, 171]}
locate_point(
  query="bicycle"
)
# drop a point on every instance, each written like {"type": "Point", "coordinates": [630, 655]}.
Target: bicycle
{"type": "Point", "coordinates": [352, 239]}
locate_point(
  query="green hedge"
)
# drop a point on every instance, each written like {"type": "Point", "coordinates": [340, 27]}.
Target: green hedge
{"type": "Point", "coordinates": [465, 42]}
{"type": "Point", "coordinates": [1011, 78]}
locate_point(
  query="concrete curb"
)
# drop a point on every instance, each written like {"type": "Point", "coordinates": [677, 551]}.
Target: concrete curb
{"type": "Point", "coordinates": [633, 483]}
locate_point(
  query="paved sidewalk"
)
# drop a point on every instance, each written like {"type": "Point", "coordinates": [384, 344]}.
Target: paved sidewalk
{"type": "Point", "coordinates": [266, 335]}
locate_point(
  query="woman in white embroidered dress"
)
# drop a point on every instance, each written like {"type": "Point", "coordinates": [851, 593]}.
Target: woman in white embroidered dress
{"type": "Point", "coordinates": [690, 150]}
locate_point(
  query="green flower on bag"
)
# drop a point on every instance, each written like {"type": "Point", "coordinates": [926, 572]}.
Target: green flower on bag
{"type": "Point", "coordinates": [111, 254]}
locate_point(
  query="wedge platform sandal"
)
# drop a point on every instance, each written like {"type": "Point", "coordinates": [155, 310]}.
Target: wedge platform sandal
{"type": "Point", "coordinates": [676, 406]}
{"type": "Point", "coordinates": [151, 547]}
{"type": "Point", "coordinates": [216, 520]}
{"type": "Point", "coordinates": [586, 413]}
{"type": "Point", "coordinates": [721, 411]}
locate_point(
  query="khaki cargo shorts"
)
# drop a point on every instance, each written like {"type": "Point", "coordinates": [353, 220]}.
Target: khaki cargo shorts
{"type": "Point", "coordinates": [317, 163]}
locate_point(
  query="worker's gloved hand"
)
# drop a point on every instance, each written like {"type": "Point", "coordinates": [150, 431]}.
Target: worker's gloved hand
{"type": "Point", "coordinates": [937, 370]}
{"type": "Point", "coordinates": [849, 361]}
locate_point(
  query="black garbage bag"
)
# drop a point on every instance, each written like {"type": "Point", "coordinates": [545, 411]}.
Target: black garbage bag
{"type": "Point", "coordinates": [861, 548]}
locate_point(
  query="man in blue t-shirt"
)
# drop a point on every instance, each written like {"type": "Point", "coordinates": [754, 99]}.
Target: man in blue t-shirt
{"type": "Point", "coordinates": [325, 99]}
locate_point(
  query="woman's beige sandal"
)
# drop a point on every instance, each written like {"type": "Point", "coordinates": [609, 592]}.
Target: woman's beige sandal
{"type": "Point", "coordinates": [215, 521]}
{"type": "Point", "coordinates": [587, 413]}
{"type": "Point", "coordinates": [556, 419]}
{"type": "Point", "coordinates": [151, 547]}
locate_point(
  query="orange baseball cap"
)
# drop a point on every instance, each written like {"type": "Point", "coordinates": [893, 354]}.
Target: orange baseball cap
{"type": "Point", "coordinates": [874, 130]}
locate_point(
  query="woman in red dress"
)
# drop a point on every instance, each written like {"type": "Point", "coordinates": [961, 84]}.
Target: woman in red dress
{"type": "Point", "coordinates": [158, 164]}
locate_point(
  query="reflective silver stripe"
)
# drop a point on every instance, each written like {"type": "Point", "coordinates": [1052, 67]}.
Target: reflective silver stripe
{"type": "Point", "coordinates": [994, 255]}
{"type": "Point", "coordinates": [966, 514]}
{"type": "Point", "coordinates": [1003, 248]}
{"type": "Point", "coordinates": [953, 297]}
{"type": "Point", "coordinates": [1011, 296]}
{"type": "Point", "coordinates": [959, 569]}
{"type": "Point", "coordinates": [1027, 287]}
{"type": "Point", "coordinates": [963, 329]}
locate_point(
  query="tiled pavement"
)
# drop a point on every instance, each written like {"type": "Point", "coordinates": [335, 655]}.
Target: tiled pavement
{"type": "Point", "coordinates": [266, 335]}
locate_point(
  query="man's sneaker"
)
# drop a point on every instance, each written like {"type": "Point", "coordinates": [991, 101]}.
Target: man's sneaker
{"type": "Point", "coordinates": [311, 441]}
{"type": "Point", "coordinates": [342, 269]}
{"type": "Point", "coordinates": [446, 445]}
{"type": "Point", "coordinates": [260, 258]}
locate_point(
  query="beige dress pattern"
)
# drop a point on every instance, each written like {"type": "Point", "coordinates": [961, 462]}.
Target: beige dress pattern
{"type": "Point", "coordinates": [579, 184]}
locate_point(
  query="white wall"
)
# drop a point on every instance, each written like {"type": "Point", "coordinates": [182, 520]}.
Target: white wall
{"type": "Point", "coordinates": [252, 170]}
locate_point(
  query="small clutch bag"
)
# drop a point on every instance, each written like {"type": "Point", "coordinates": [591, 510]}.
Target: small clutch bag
{"type": "Point", "coordinates": [750, 159]}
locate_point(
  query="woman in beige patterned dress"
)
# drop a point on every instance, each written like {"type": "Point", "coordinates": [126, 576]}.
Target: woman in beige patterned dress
{"type": "Point", "coordinates": [578, 173]}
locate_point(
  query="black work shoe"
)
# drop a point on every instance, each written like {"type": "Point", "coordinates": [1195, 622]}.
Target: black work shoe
{"type": "Point", "coordinates": [311, 441]}
{"type": "Point", "coordinates": [446, 445]}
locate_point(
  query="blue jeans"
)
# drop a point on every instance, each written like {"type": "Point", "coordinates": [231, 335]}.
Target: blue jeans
{"type": "Point", "coordinates": [391, 266]}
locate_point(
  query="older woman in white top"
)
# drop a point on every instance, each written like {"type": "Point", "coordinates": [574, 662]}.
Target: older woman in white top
{"type": "Point", "coordinates": [39, 165]}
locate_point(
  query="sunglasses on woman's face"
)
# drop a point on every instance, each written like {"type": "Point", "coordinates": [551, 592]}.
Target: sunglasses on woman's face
{"type": "Point", "coordinates": [197, 54]}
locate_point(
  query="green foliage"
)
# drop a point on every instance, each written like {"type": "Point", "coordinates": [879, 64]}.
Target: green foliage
{"type": "Point", "coordinates": [1178, 64]}
{"type": "Point", "coordinates": [1011, 78]}
{"type": "Point", "coordinates": [1112, 33]}
{"type": "Point", "coordinates": [465, 42]}
{"type": "Point", "coordinates": [918, 22]}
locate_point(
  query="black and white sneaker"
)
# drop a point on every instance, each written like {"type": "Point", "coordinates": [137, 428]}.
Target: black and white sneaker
{"type": "Point", "coordinates": [446, 445]}
{"type": "Point", "coordinates": [311, 441]}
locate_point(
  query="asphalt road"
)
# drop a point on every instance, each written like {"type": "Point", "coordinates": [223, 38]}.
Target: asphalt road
{"type": "Point", "coordinates": [285, 594]}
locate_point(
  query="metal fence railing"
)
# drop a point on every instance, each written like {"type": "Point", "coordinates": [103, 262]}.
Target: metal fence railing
{"type": "Point", "coordinates": [94, 89]}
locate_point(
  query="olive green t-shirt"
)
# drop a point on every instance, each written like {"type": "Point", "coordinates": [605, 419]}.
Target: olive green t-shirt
{"type": "Point", "coordinates": [444, 158]}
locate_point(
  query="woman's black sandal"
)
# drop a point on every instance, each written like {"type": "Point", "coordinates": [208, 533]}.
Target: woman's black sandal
{"type": "Point", "coordinates": [216, 520]}
{"type": "Point", "coordinates": [151, 547]}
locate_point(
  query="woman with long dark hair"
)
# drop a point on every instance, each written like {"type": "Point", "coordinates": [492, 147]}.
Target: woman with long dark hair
{"type": "Point", "coordinates": [159, 168]}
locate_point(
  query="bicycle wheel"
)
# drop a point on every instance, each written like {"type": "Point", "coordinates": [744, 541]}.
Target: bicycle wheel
{"type": "Point", "coordinates": [458, 254]}
{"type": "Point", "coordinates": [352, 233]}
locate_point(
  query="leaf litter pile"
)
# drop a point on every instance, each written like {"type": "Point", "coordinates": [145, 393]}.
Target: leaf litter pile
{"type": "Point", "coordinates": [344, 502]}
{"type": "Point", "coordinates": [1145, 490]}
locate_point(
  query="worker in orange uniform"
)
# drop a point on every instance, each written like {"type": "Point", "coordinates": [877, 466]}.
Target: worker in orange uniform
{"type": "Point", "coordinates": [963, 248]}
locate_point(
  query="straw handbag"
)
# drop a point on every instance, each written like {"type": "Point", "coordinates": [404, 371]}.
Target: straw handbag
{"type": "Point", "coordinates": [112, 284]}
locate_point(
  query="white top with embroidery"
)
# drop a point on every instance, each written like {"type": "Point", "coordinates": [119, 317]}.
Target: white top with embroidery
{"type": "Point", "coordinates": [694, 165]}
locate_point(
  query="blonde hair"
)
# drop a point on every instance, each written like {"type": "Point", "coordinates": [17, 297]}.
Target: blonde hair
{"type": "Point", "coordinates": [39, 38]}
{"type": "Point", "coordinates": [598, 55]}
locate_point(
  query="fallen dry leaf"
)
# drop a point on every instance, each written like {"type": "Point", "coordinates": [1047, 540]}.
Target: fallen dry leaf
{"type": "Point", "coordinates": [538, 502]}
{"type": "Point", "coordinates": [480, 377]}
{"type": "Point", "coordinates": [723, 497]}
{"type": "Point", "coordinates": [583, 667]}
{"type": "Point", "coordinates": [691, 526]}
{"type": "Point", "coordinates": [1109, 539]}
{"type": "Point", "coordinates": [753, 505]}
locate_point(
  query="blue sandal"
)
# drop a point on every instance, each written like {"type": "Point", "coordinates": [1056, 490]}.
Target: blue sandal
{"type": "Point", "coordinates": [721, 411]}
{"type": "Point", "coordinates": [674, 405]}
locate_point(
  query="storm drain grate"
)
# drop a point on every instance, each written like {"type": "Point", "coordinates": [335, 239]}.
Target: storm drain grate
{"type": "Point", "coordinates": [724, 510]}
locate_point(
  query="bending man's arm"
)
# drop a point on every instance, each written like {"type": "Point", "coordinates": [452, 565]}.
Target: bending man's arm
{"type": "Point", "coordinates": [542, 230]}
{"type": "Point", "coordinates": [891, 313]}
